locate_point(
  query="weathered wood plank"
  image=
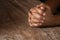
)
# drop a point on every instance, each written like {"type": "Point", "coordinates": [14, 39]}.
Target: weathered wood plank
{"type": "Point", "coordinates": [15, 33]}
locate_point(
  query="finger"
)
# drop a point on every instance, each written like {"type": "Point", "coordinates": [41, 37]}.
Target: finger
{"type": "Point", "coordinates": [29, 14]}
{"type": "Point", "coordinates": [32, 10]}
{"type": "Point", "coordinates": [36, 21]}
{"type": "Point", "coordinates": [34, 24]}
{"type": "Point", "coordinates": [41, 21]}
{"type": "Point", "coordinates": [44, 14]}
{"type": "Point", "coordinates": [39, 11]}
{"type": "Point", "coordinates": [30, 23]}
{"type": "Point", "coordinates": [41, 6]}
{"type": "Point", "coordinates": [29, 19]}
{"type": "Point", "coordinates": [36, 15]}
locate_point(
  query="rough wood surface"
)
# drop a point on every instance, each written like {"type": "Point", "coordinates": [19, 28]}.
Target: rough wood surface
{"type": "Point", "coordinates": [17, 33]}
{"type": "Point", "coordinates": [14, 25]}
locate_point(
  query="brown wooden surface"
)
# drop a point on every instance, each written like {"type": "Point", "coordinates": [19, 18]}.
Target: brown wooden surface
{"type": "Point", "coordinates": [17, 33]}
{"type": "Point", "coordinates": [14, 25]}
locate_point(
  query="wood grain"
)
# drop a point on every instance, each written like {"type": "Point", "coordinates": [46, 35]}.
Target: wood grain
{"type": "Point", "coordinates": [14, 25]}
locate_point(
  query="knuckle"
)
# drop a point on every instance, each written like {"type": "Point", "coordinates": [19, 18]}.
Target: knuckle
{"type": "Point", "coordinates": [43, 18]}
{"type": "Point", "coordinates": [42, 21]}
{"type": "Point", "coordinates": [29, 14]}
{"type": "Point", "coordinates": [31, 9]}
{"type": "Point", "coordinates": [44, 14]}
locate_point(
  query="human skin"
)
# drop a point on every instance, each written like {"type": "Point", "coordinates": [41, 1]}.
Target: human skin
{"type": "Point", "coordinates": [41, 15]}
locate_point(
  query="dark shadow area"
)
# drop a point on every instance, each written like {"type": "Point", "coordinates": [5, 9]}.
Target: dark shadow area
{"type": "Point", "coordinates": [43, 1]}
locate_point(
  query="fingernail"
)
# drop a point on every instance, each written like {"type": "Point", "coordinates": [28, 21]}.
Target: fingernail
{"type": "Point", "coordinates": [43, 8]}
